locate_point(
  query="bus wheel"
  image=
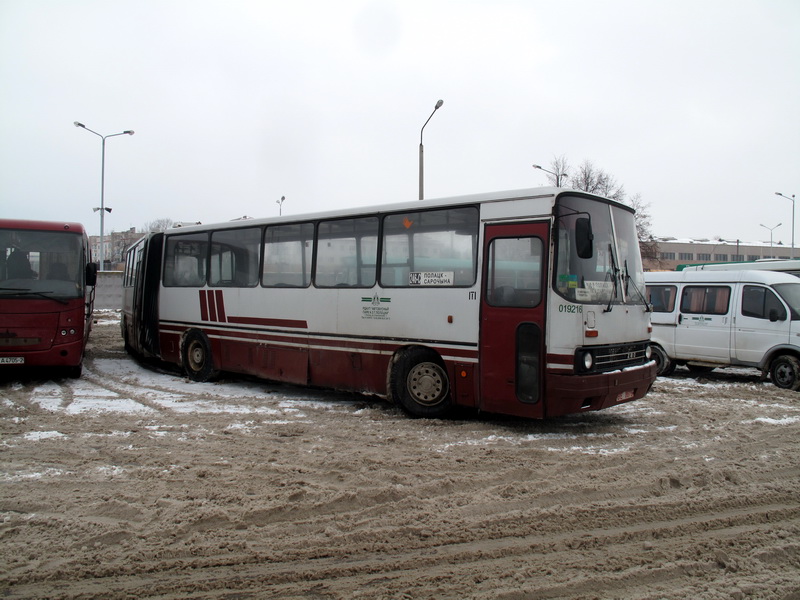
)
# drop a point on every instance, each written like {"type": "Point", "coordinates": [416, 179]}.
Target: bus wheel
{"type": "Point", "coordinates": [785, 372]}
{"type": "Point", "coordinates": [126, 343]}
{"type": "Point", "coordinates": [664, 364]}
{"type": "Point", "coordinates": [420, 384]}
{"type": "Point", "coordinates": [196, 355]}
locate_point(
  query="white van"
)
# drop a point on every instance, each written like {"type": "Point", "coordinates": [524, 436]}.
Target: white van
{"type": "Point", "coordinates": [708, 319]}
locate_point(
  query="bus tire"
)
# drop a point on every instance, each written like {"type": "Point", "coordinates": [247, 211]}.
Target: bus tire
{"type": "Point", "coordinates": [665, 366]}
{"type": "Point", "coordinates": [196, 356]}
{"type": "Point", "coordinates": [785, 372]}
{"type": "Point", "coordinates": [125, 341]}
{"type": "Point", "coordinates": [419, 384]}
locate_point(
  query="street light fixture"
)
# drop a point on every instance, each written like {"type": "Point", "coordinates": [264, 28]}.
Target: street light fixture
{"type": "Point", "coordinates": [421, 168]}
{"type": "Point", "coordinates": [771, 253]}
{"type": "Point", "coordinates": [792, 199]}
{"type": "Point", "coordinates": [558, 176]}
{"type": "Point", "coordinates": [102, 207]}
{"type": "Point", "coordinates": [280, 205]}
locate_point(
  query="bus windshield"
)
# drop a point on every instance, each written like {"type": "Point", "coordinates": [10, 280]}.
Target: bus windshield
{"type": "Point", "coordinates": [611, 273]}
{"type": "Point", "coordinates": [41, 264]}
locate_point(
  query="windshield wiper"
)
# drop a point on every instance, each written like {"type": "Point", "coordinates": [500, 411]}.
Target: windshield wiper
{"type": "Point", "coordinates": [28, 291]}
{"type": "Point", "coordinates": [628, 279]}
{"type": "Point", "coordinates": [614, 279]}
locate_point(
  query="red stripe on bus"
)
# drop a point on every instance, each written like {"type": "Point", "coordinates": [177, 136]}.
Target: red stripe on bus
{"type": "Point", "coordinates": [212, 306]}
{"type": "Point", "coordinates": [560, 359]}
{"type": "Point", "coordinates": [220, 306]}
{"type": "Point", "coordinates": [334, 344]}
{"type": "Point", "coordinates": [203, 306]}
{"type": "Point", "coordinates": [269, 322]}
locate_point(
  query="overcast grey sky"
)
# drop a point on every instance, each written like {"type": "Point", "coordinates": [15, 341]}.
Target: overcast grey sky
{"type": "Point", "coordinates": [693, 104]}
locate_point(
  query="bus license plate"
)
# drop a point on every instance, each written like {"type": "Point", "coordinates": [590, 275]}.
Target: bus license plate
{"type": "Point", "coordinates": [624, 396]}
{"type": "Point", "coordinates": [12, 360]}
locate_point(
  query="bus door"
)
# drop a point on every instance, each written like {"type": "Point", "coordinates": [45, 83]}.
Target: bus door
{"type": "Point", "coordinates": [145, 300]}
{"type": "Point", "coordinates": [512, 318]}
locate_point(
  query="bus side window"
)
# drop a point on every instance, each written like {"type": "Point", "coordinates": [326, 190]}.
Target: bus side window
{"type": "Point", "coordinates": [234, 257]}
{"type": "Point", "coordinates": [185, 260]}
{"type": "Point", "coordinates": [441, 240]}
{"type": "Point", "coordinates": [347, 253]}
{"type": "Point", "coordinates": [287, 255]}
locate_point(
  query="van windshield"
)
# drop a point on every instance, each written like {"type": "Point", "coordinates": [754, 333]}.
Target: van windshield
{"type": "Point", "coordinates": [790, 292]}
{"type": "Point", "coordinates": [613, 273]}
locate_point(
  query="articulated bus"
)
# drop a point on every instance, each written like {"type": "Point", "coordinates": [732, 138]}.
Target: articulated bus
{"type": "Point", "coordinates": [528, 303]}
{"type": "Point", "coordinates": [47, 284]}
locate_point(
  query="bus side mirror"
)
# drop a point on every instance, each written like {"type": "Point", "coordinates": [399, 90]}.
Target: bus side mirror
{"type": "Point", "coordinates": [584, 237]}
{"type": "Point", "coordinates": [91, 274]}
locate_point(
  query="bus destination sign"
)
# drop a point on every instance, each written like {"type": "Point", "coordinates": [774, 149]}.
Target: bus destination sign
{"type": "Point", "coordinates": [434, 278]}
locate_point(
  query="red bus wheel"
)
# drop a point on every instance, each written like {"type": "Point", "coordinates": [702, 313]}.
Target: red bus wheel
{"type": "Point", "coordinates": [420, 384]}
{"type": "Point", "coordinates": [196, 355]}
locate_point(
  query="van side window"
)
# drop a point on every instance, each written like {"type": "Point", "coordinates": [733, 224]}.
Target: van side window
{"type": "Point", "coordinates": [706, 300]}
{"type": "Point", "coordinates": [759, 301]}
{"type": "Point", "coordinates": [662, 297]}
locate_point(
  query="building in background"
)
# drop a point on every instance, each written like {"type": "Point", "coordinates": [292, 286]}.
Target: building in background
{"type": "Point", "coordinates": [116, 243]}
{"type": "Point", "coordinates": [672, 252]}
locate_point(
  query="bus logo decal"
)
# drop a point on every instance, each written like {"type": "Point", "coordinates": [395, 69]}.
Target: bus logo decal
{"type": "Point", "coordinates": [372, 308]}
{"type": "Point", "coordinates": [212, 306]}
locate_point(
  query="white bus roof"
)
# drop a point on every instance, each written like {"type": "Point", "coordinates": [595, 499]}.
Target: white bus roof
{"type": "Point", "coordinates": [764, 277]}
{"type": "Point", "coordinates": [792, 265]}
{"type": "Point", "coordinates": [501, 196]}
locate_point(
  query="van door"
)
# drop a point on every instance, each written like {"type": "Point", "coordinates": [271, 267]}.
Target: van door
{"type": "Point", "coordinates": [704, 325]}
{"type": "Point", "coordinates": [662, 297]}
{"type": "Point", "coordinates": [512, 319]}
{"type": "Point", "coordinates": [754, 331]}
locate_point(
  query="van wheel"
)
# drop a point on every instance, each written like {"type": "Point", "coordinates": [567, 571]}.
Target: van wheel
{"type": "Point", "coordinates": [196, 356]}
{"type": "Point", "coordinates": [785, 372]}
{"type": "Point", "coordinates": [419, 384]}
{"type": "Point", "coordinates": [664, 364]}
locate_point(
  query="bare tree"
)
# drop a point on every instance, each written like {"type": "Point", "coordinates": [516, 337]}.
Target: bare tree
{"type": "Point", "coordinates": [648, 246]}
{"type": "Point", "coordinates": [596, 181]}
{"type": "Point", "coordinates": [158, 225]}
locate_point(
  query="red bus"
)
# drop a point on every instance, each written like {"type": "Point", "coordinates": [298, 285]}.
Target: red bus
{"type": "Point", "coordinates": [527, 303]}
{"type": "Point", "coordinates": [47, 285]}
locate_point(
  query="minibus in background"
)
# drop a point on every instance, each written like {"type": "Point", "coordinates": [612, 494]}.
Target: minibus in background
{"type": "Point", "coordinates": [716, 318]}
{"type": "Point", "coordinates": [47, 281]}
{"type": "Point", "coordinates": [527, 303]}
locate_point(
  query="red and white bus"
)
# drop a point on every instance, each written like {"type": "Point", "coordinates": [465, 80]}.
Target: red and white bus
{"type": "Point", "coordinates": [47, 284]}
{"type": "Point", "coordinates": [527, 303]}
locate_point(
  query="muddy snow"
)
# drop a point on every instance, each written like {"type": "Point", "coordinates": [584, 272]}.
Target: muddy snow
{"type": "Point", "coordinates": [132, 482]}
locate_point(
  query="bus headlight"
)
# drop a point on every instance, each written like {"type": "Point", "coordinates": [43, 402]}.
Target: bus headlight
{"type": "Point", "coordinates": [588, 360]}
{"type": "Point", "coordinates": [648, 352]}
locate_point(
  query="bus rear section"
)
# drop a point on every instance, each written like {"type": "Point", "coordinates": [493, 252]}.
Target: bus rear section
{"type": "Point", "coordinates": [46, 294]}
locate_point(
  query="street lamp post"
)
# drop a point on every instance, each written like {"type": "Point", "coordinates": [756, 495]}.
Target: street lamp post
{"type": "Point", "coordinates": [558, 176]}
{"type": "Point", "coordinates": [792, 199]}
{"type": "Point", "coordinates": [102, 207]}
{"type": "Point", "coordinates": [280, 205]}
{"type": "Point", "coordinates": [772, 254]}
{"type": "Point", "coordinates": [421, 167]}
